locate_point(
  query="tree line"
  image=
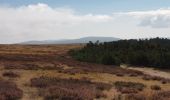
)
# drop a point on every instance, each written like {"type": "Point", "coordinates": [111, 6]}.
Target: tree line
{"type": "Point", "coordinates": [153, 52]}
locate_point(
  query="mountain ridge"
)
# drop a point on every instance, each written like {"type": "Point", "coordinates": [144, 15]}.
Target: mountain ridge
{"type": "Point", "coordinates": [73, 41]}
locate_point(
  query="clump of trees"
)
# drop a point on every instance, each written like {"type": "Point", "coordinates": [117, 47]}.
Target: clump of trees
{"type": "Point", "coordinates": [153, 52]}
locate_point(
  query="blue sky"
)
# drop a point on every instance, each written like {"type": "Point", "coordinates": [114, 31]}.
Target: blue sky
{"type": "Point", "coordinates": [96, 6]}
{"type": "Point", "coordinates": [25, 20]}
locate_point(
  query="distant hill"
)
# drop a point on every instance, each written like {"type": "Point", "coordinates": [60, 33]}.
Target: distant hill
{"type": "Point", "coordinates": [73, 41]}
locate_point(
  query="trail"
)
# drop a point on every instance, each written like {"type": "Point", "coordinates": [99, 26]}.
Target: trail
{"type": "Point", "coordinates": [153, 72]}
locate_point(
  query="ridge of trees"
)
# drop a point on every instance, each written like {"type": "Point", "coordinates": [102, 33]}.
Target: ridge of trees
{"type": "Point", "coordinates": [154, 52]}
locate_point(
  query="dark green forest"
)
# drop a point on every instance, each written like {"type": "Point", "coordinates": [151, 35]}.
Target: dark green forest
{"type": "Point", "coordinates": [153, 52]}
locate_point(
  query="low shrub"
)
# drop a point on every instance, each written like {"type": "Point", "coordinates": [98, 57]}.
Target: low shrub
{"type": "Point", "coordinates": [119, 74]}
{"type": "Point", "coordinates": [129, 87]}
{"type": "Point", "coordinates": [163, 95]}
{"type": "Point", "coordinates": [25, 66]}
{"type": "Point", "coordinates": [10, 74]}
{"type": "Point", "coordinates": [128, 90]}
{"type": "Point", "coordinates": [32, 66]}
{"type": "Point", "coordinates": [133, 75]}
{"type": "Point", "coordinates": [163, 81]}
{"type": "Point", "coordinates": [156, 78]}
{"type": "Point", "coordinates": [64, 93]}
{"type": "Point", "coordinates": [9, 91]}
{"type": "Point", "coordinates": [146, 77]}
{"type": "Point", "coordinates": [135, 97]}
{"type": "Point", "coordinates": [69, 89]}
{"type": "Point", "coordinates": [155, 87]}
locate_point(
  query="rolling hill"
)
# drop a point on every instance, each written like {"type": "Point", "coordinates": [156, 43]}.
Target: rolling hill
{"type": "Point", "coordinates": [73, 41]}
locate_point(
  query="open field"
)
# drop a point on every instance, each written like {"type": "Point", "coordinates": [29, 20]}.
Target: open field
{"type": "Point", "coordinates": [47, 72]}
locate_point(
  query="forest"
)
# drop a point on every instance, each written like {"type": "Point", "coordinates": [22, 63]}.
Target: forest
{"type": "Point", "coordinates": [154, 52]}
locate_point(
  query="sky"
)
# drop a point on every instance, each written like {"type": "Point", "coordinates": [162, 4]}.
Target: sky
{"type": "Point", "coordinates": [26, 20]}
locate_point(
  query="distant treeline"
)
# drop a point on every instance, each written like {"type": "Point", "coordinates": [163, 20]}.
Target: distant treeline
{"type": "Point", "coordinates": [143, 52]}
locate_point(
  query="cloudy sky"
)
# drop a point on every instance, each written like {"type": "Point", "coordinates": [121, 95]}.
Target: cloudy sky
{"type": "Point", "coordinates": [25, 20]}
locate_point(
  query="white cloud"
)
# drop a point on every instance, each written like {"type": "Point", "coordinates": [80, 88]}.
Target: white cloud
{"type": "Point", "coordinates": [41, 22]}
{"type": "Point", "coordinates": [155, 18]}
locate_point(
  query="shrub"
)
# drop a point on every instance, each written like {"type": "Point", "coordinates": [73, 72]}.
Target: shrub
{"type": "Point", "coordinates": [129, 87]}
{"type": "Point", "coordinates": [133, 75]}
{"type": "Point", "coordinates": [9, 91]}
{"type": "Point", "coordinates": [135, 97]}
{"type": "Point", "coordinates": [128, 90]}
{"type": "Point", "coordinates": [10, 74]}
{"type": "Point", "coordinates": [155, 87]}
{"type": "Point", "coordinates": [163, 81]}
{"type": "Point", "coordinates": [63, 93]}
{"type": "Point", "coordinates": [119, 74]}
{"type": "Point", "coordinates": [147, 77]}
{"type": "Point", "coordinates": [163, 95]}
{"type": "Point", "coordinates": [25, 66]}
{"type": "Point", "coordinates": [32, 65]}
{"type": "Point", "coordinates": [66, 89]}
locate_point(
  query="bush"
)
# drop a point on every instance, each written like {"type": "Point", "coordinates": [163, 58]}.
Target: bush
{"type": "Point", "coordinates": [155, 87]}
{"type": "Point", "coordinates": [135, 97]}
{"type": "Point", "coordinates": [163, 81]}
{"type": "Point", "coordinates": [10, 74]}
{"type": "Point", "coordinates": [129, 87]}
{"type": "Point", "coordinates": [119, 74]}
{"type": "Point", "coordinates": [163, 95]}
{"type": "Point", "coordinates": [156, 78]}
{"type": "Point", "coordinates": [63, 93]}
{"type": "Point", "coordinates": [74, 89]}
{"type": "Point", "coordinates": [147, 77]}
{"type": "Point", "coordinates": [9, 91]}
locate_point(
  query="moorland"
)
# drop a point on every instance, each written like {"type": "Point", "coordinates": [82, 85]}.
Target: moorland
{"type": "Point", "coordinates": [48, 72]}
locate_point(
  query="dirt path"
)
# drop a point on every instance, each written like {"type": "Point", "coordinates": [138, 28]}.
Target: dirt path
{"type": "Point", "coordinates": [153, 72]}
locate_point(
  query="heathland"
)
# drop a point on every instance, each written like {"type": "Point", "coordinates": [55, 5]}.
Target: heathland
{"type": "Point", "coordinates": [48, 72]}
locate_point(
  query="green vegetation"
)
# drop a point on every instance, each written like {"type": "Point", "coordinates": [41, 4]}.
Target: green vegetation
{"type": "Point", "coordinates": [143, 52]}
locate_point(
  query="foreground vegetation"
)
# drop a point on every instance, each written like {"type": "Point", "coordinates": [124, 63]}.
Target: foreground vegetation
{"type": "Point", "coordinates": [144, 52]}
{"type": "Point", "coordinates": [47, 72]}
